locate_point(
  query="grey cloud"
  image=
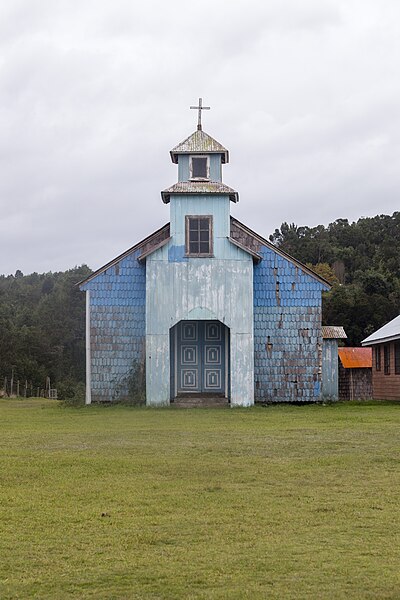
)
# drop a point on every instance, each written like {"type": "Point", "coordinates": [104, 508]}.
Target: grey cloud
{"type": "Point", "coordinates": [93, 95]}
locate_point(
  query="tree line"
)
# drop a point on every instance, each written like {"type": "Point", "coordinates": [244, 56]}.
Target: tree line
{"type": "Point", "coordinates": [42, 329]}
{"type": "Point", "coordinates": [42, 316]}
{"type": "Point", "coordinates": [362, 262]}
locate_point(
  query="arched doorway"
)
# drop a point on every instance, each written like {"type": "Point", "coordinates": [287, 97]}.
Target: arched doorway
{"type": "Point", "coordinates": [199, 359]}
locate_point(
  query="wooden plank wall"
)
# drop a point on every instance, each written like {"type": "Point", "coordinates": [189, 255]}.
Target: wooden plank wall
{"type": "Point", "coordinates": [385, 387]}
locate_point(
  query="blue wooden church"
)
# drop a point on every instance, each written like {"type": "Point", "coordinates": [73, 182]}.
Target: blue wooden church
{"type": "Point", "coordinates": [204, 308]}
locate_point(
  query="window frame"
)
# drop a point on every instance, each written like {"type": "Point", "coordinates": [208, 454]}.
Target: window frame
{"type": "Point", "coordinates": [207, 158]}
{"type": "Point", "coordinates": [397, 358]}
{"type": "Point", "coordinates": [210, 239]}
{"type": "Point", "coordinates": [378, 363]}
{"type": "Point", "coordinates": [386, 359]}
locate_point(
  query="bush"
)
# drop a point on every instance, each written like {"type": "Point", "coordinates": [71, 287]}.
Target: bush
{"type": "Point", "coordinates": [71, 392]}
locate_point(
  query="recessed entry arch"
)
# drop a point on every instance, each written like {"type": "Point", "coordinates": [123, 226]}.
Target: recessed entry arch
{"type": "Point", "coordinates": [200, 351]}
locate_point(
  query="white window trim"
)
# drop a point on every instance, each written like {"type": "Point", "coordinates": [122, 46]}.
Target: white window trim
{"type": "Point", "coordinates": [191, 168]}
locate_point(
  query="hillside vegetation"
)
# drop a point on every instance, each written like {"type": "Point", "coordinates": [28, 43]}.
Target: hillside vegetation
{"type": "Point", "coordinates": [42, 328]}
{"type": "Point", "coordinates": [361, 260]}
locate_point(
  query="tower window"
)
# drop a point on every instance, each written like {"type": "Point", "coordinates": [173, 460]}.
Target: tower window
{"type": "Point", "coordinates": [199, 240]}
{"type": "Point", "coordinates": [199, 167]}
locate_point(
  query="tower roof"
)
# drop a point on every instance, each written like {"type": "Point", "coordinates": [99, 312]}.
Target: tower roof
{"type": "Point", "coordinates": [199, 142]}
{"type": "Point", "coordinates": [199, 187]}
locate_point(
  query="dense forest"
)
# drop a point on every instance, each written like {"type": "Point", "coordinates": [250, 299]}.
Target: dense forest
{"type": "Point", "coordinates": [42, 330]}
{"type": "Point", "coordinates": [42, 316]}
{"type": "Point", "coordinates": [361, 260]}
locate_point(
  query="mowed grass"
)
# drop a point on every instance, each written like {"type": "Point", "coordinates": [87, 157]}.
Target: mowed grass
{"type": "Point", "coordinates": [279, 502]}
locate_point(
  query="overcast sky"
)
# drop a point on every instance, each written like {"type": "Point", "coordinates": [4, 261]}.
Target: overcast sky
{"type": "Point", "coordinates": [305, 94]}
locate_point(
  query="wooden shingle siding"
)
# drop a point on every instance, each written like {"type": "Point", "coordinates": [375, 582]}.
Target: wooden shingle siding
{"type": "Point", "coordinates": [355, 384]}
{"type": "Point", "coordinates": [287, 331]}
{"type": "Point", "coordinates": [117, 328]}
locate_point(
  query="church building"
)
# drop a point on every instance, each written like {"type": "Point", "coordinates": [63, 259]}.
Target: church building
{"type": "Point", "coordinates": [204, 309]}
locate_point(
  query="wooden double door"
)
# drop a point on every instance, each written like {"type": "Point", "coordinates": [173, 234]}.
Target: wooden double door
{"type": "Point", "coordinates": [201, 358]}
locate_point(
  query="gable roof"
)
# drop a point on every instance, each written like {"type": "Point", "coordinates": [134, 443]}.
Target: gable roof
{"type": "Point", "coordinates": [199, 187]}
{"type": "Point", "coordinates": [199, 142]}
{"type": "Point", "coordinates": [240, 235]}
{"type": "Point", "coordinates": [355, 358]}
{"type": "Point", "coordinates": [387, 333]}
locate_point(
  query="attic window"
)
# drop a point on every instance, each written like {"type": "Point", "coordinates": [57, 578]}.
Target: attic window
{"type": "Point", "coordinates": [199, 167]}
{"type": "Point", "coordinates": [199, 240]}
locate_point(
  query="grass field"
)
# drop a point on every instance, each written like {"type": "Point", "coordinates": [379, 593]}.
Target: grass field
{"type": "Point", "coordinates": [279, 502]}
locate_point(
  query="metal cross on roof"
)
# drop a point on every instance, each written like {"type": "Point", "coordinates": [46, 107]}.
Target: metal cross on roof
{"type": "Point", "coordinates": [200, 107]}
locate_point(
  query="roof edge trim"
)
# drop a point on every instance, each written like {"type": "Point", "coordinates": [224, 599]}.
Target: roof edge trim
{"type": "Point", "coordinates": [283, 254]}
{"type": "Point", "coordinates": [383, 340]}
{"type": "Point", "coordinates": [257, 257]}
{"type": "Point", "coordinates": [120, 257]}
{"type": "Point", "coordinates": [143, 256]}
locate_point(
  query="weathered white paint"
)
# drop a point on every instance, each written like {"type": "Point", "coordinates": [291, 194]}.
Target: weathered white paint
{"type": "Point", "coordinates": [242, 357]}
{"type": "Point", "coordinates": [157, 369]}
{"type": "Point", "coordinates": [88, 396]}
{"type": "Point", "coordinates": [330, 370]}
{"type": "Point", "coordinates": [218, 288]}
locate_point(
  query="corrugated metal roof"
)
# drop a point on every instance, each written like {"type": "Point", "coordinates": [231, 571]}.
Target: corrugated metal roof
{"type": "Point", "coordinates": [356, 358]}
{"type": "Point", "coordinates": [202, 143]}
{"type": "Point", "coordinates": [199, 187]}
{"type": "Point", "coordinates": [333, 332]}
{"type": "Point", "coordinates": [390, 331]}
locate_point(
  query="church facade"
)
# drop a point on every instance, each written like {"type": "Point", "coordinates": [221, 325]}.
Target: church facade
{"type": "Point", "coordinates": [204, 307]}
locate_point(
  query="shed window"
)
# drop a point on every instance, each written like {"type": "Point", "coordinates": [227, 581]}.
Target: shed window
{"type": "Point", "coordinates": [199, 167]}
{"type": "Point", "coordinates": [386, 359]}
{"type": "Point", "coordinates": [199, 235]}
{"type": "Point", "coordinates": [378, 358]}
{"type": "Point", "coordinates": [397, 358]}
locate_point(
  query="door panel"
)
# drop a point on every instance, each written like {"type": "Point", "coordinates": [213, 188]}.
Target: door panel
{"type": "Point", "coordinates": [200, 356]}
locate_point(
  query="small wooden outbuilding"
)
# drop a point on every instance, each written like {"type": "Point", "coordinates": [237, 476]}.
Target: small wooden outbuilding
{"type": "Point", "coordinates": [355, 373]}
{"type": "Point", "coordinates": [385, 343]}
{"type": "Point", "coordinates": [331, 334]}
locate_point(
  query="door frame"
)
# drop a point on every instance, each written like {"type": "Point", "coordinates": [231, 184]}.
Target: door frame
{"type": "Point", "coordinates": [174, 361]}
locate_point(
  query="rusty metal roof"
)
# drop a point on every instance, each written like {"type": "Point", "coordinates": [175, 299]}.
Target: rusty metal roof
{"type": "Point", "coordinates": [199, 143]}
{"type": "Point", "coordinates": [356, 358]}
{"type": "Point", "coordinates": [199, 187]}
{"type": "Point", "coordinates": [333, 332]}
{"type": "Point", "coordinates": [390, 331]}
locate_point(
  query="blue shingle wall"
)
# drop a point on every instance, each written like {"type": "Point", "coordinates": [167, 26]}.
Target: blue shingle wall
{"type": "Point", "coordinates": [287, 331]}
{"type": "Point", "coordinates": [118, 327]}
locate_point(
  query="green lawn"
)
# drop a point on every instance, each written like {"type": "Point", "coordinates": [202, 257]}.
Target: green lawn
{"type": "Point", "coordinates": [280, 502]}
